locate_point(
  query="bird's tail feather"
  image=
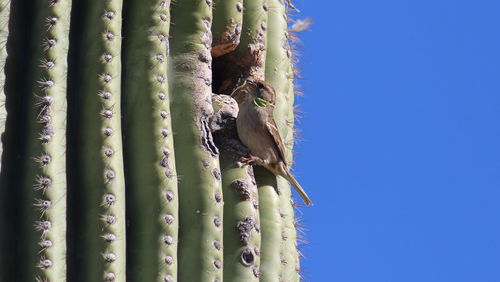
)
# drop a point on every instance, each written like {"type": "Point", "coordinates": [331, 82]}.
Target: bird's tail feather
{"type": "Point", "coordinates": [298, 188]}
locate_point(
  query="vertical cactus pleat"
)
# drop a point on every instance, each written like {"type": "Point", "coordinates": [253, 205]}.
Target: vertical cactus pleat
{"type": "Point", "coordinates": [151, 178]}
{"type": "Point", "coordinates": [270, 222]}
{"type": "Point", "coordinates": [200, 200]}
{"type": "Point", "coordinates": [279, 73]}
{"type": "Point", "coordinates": [45, 166]}
{"type": "Point", "coordinates": [95, 105]}
{"type": "Point", "coordinates": [226, 28]}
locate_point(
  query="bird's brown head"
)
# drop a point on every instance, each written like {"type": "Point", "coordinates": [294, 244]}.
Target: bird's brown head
{"type": "Point", "coordinates": [254, 89]}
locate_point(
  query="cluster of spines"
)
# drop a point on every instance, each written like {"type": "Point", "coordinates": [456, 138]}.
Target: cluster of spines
{"type": "Point", "coordinates": [50, 106]}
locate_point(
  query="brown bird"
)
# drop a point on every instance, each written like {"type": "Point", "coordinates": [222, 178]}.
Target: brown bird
{"type": "Point", "coordinates": [257, 130]}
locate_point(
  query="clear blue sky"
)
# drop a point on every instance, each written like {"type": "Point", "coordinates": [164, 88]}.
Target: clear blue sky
{"type": "Point", "coordinates": [401, 140]}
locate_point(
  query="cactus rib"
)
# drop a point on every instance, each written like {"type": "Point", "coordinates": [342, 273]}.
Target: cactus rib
{"type": "Point", "coordinates": [96, 107]}
{"type": "Point", "coordinates": [152, 178]}
{"type": "Point", "coordinates": [280, 74]}
{"type": "Point", "coordinates": [46, 167]}
{"type": "Point", "coordinates": [200, 210]}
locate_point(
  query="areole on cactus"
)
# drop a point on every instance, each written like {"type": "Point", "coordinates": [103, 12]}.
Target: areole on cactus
{"type": "Point", "coordinates": [120, 159]}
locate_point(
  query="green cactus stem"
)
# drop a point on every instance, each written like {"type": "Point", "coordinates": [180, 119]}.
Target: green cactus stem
{"type": "Point", "coordinates": [200, 201]}
{"type": "Point", "coordinates": [45, 166]}
{"type": "Point", "coordinates": [241, 221]}
{"type": "Point", "coordinates": [270, 221]}
{"type": "Point", "coordinates": [279, 73]}
{"type": "Point", "coordinates": [226, 28]}
{"type": "Point", "coordinates": [152, 178]}
{"type": "Point", "coordinates": [96, 107]}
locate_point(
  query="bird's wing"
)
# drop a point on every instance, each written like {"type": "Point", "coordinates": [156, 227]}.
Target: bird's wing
{"type": "Point", "coordinates": [272, 129]}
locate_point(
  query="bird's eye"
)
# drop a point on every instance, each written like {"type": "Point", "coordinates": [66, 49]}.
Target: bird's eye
{"type": "Point", "coordinates": [261, 86]}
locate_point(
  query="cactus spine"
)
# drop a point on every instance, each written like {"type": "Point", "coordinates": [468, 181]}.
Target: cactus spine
{"type": "Point", "coordinates": [121, 159]}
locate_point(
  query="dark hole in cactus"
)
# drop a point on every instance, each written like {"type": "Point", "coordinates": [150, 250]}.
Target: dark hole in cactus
{"type": "Point", "coordinates": [247, 258]}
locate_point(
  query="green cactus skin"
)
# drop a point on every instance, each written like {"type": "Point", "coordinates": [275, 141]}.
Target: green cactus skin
{"type": "Point", "coordinates": [241, 222]}
{"type": "Point", "coordinates": [279, 73]}
{"type": "Point", "coordinates": [270, 221]}
{"type": "Point", "coordinates": [152, 178]}
{"type": "Point", "coordinates": [96, 107]}
{"type": "Point", "coordinates": [290, 270]}
{"type": "Point", "coordinates": [200, 204]}
{"type": "Point", "coordinates": [226, 28]}
{"type": "Point", "coordinates": [45, 167]}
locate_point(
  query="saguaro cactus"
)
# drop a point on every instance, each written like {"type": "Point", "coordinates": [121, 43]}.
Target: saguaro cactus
{"type": "Point", "coordinates": [119, 152]}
